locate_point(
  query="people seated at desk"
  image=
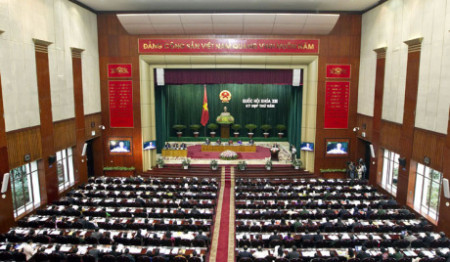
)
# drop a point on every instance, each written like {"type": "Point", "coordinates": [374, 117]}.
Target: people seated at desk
{"type": "Point", "coordinates": [293, 254]}
{"type": "Point", "coordinates": [201, 237]}
{"type": "Point", "coordinates": [342, 216]}
{"type": "Point", "coordinates": [362, 254]}
{"type": "Point", "coordinates": [245, 253]}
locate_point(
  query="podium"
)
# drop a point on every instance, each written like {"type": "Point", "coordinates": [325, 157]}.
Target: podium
{"type": "Point", "coordinates": [274, 155]}
{"type": "Point", "coordinates": [224, 131]}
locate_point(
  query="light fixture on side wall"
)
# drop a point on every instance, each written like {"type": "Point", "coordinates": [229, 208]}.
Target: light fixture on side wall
{"type": "Point", "coordinates": [355, 129]}
{"type": "Point", "coordinates": [102, 127]}
{"type": "Point", "coordinates": [5, 184]}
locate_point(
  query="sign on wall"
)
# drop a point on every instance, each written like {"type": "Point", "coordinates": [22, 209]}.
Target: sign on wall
{"type": "Point", "coordinates": [119, 70]}
{"type": "Point", "coordinates": [337, 95]}
{"type": "Point", "coordinates": [120, 103]}
{"type": "Point", "coordinates": [229, 45]}
{"type": "Point", "coordinates": [338, 71]}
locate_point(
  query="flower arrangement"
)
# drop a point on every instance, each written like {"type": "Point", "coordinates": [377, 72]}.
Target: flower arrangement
{"type": "Point", "coordinates": [242, 165]}
{"type": "Point", "coordinates": [296, 163]}
{"type": "Point", "coordinates": [268, 164]}
{"type": "Point", "coordinates": [228, 155]}
{"type": "Point", "coordinates": [118, 168]}
{"type": "Point", "coordinates": [214, 164]}
{"type": "Point", "coordinates": [186, 162]}
{"type": "Point", "coordinates": [160, 162]}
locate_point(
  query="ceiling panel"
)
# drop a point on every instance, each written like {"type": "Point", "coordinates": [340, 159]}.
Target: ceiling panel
{"type": "Point", "coordinates": [262, 23]}
{"type": "Point", "coordinates": [229, 5]}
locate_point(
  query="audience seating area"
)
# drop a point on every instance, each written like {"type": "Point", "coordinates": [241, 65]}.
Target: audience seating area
{"type": "Point", "coordinates": [120, 219]}
{"type": "Point", "coordinates": [328, 220]}
{"type": "Point", "coordinates": [170, 219]}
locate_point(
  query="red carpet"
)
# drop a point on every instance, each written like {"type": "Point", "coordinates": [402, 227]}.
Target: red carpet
{"type": "Point", "coordinates": [222, 246]}
{"type": "Point", "coordinates": [195, 152]}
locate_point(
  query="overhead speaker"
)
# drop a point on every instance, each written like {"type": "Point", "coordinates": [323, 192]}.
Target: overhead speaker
{"type": "Point", "coordinates": [446, 188]}
{"type": "Point", "coordinates": [372, 151]}
{"type": "Point", "coordinates": [160, 76]}
{"type": "Point", "coordinates": [402, 161]}
{"type": "Point", "coordinates": [83, 153]}
{"type": "Point", "coordinates": [51, 160]}
{"type": "Point", "coordinates": [296, 77]}
{"type": "Point", "coordinates": [5, 183]}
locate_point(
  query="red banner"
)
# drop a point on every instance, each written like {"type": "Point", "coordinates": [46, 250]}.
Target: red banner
{"type": "Point", "coordinates": [121, 103]}
{"type": "Point", "coordinates": [338, 71]}
{"type": "Point", "coordinates": [119, 70]}
{"type": "Point", "coordinates": [336, 104]}
{"type": "Point", "coordinates": [229, 46]}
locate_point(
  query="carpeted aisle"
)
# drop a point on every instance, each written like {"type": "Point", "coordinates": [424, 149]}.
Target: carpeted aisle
{"type": "Point", "coordinates": [222, 248]}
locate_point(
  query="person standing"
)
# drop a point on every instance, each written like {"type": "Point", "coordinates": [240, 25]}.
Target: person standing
{"type": "Point", "coordinates": [28, 250]}
{"type": "Point", "coordinates": [293, 152]}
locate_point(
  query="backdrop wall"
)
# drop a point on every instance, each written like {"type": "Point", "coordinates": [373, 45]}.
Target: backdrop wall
{"type": "Point", "coordinates": [182, 104]}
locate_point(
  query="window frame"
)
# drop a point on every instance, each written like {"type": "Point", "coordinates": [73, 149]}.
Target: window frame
{"type": "Point", "coordinates": [29, 175]}
{"type": "Point", "coordinates": [390, 163]}
{"type": "Point", "coordinates": [424, 182]}
{"type": "Point", "coordinates": [65, 159]}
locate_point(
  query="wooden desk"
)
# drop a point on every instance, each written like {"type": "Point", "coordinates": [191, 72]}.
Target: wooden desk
{"type": "Point", "coordinates": [173, 153]}
{"type": "Point", "coordinates": [220, 148]}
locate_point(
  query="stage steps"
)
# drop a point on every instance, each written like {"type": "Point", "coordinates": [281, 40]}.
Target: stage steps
{"type": "Point", "coordinates": [251, 171]}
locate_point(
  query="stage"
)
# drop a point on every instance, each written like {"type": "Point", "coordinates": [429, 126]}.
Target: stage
{"type": "Point", "coordinates": [259, 156]}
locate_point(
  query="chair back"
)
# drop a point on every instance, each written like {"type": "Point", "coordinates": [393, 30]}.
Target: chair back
{"type": "Point", "coordinates": [73, 258]}
{"type": "Point", "coordinates": [143, 259]}
{"type": "Point", "coordinates": [108, 258]}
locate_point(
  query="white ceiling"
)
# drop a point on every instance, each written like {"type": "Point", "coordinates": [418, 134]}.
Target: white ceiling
{"type": "Point", "coordinates": [229, 5]}
{"type": "Point", "coordinates": [229, 24]}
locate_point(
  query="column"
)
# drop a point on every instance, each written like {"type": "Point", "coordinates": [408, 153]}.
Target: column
{"type": "Point", "coordinates": [80, 164]}
{"type": "Point", "coordinates": [377, 163]}
{"type": "Point", "coordinates": [48, 183]}
{"type": "Point", "coordinates": [409, 119]}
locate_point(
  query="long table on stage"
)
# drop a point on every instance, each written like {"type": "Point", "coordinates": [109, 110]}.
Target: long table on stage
{"type": "Point", "coordinates": [173, 153]}
{"type": "Point", "coordinates": [220, 148]}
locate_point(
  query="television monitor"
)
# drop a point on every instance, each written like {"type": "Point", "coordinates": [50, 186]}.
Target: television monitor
{"type": "Point", "coordinates": [120, 146]}
{"type": "Point", "coordinates": [337, 147]}
{"type": "Point", "coordinates": [150, 145]}
{"type": "Point", "coordinates": [307, 146]}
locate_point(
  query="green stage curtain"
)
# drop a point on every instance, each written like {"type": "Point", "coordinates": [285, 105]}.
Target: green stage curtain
{"type": "Point", "coordinates": [295, 118]}
{"type": "Point", "coordinates": [182, 104]}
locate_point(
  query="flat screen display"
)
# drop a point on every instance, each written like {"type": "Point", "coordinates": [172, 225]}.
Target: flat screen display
{"type": "Point", "coordinates": [337, 147]}
{"type": "Point", "coordinates": [150, 145]}
{"type": "Point", "coordinates": [307, 146]}
{"type": "Point", "coordinates": [120, 146]}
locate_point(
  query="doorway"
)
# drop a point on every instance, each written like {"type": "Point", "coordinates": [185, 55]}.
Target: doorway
{"type": "Point", "coordinates": [364, 153]}
{"type": "Point", "coordinates": [90, 159]}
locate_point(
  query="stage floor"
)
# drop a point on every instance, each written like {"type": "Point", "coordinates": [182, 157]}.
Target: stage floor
{"type": "Point", "coordinates": [257, 158]}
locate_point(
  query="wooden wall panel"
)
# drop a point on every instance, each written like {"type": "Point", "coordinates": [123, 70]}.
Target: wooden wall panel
{"type": "Point", "coordinates": [365, 123]}
{"type": "Point", "coordinates": [6, 204]}
{"type": "Point", "coordinates": [390, 134]}
{"type": "Point", "coordinates": [64, 134]}
{"type": "Point", "coordinates": [22, 142]}
{"type": "Point", "coordinates": [430, 144]}
{"type": "Point", "coordinates": [92, 123]}
{"type": "Point", "coordinates": [444, 210]}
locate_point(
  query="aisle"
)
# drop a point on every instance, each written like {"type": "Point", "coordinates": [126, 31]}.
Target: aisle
{"type": "Point", "coordinates": [222, 247]}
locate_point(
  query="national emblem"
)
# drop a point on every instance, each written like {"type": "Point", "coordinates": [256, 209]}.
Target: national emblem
{"type": "Point", "coordinates": [225, 96]}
